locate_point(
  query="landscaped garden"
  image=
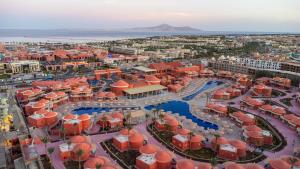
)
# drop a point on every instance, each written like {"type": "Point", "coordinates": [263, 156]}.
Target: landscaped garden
{"type": "Point", "coordinates": [205, 154]}
{"type": "Point", "coordinates": [286, 101]}
{"type": "Point", "coordinates": [125, 159]}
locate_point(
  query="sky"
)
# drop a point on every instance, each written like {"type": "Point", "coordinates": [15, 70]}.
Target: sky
{"type": "Point", "coordinates": [208, 15]}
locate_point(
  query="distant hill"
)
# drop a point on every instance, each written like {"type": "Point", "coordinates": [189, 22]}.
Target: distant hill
{"type": "Point", "coordinates": [166, 28]}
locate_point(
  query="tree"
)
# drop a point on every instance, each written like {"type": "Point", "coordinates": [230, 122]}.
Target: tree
{"type": "Point", "coordinates": [161, 116]}
{"type": "Point", "coordinates": [191, 134]}
{"type": "Point", "coordinates": [147, 118]}
{"type": "Point", "coordinates": [104, 120]}
{"type": "Point", "coordinates": [98, 165]}
{"type": "Point", "coordinates": [217, 136]}
{"type": "Point", "coordinates": [50, 151]}
{"type": "Point", "coordinates": [79, 153]}
{"type": "Point", "coordinates": [213, 161]}
{"type": "Point", "coordinates": [63, 130]}
{"type": "Point", "coordinates": [74, 128]}
{"type": "Point", "coordinates": [293, 160]}
{"type": "Point", "coordinates": [45, 141]}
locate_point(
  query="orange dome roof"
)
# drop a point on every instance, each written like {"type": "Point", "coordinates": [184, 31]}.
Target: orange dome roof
{"type": "Point", "coordinates": [84, 117]}
{"type": "Point", "coordinates": [233, 165]}
{"type": "Point", "coordinates": [238, 144]}
{"type": "Point", "coordinates": [101, 94]}
{"type": "Point", "coordinates": [185, 164]}
{"type": "Point", "coordinates": [69, 116]}
{"type": "Point", "coordinates": [254, 134]}
{"type": "Point", "coordinates": [151, 78]}
{"type": "Point", "coordinates": [246, 119]}
{"type": "Point", "coordinates": [279, 110]}
{"type": "Point", "coordinates": [92, 162]}
{"type": "Point", "coordinates": [117, 115]}
{"type": "Point", "coordinates": [196, 138]}
{"type": "Point", "coordinates": [167, 117]}
{"type": "Point", "coordinates": [38, 105]}
{"type": "Point", "coordinates": [253, 166]}
{"type": "Point", "coordinates": [127, 132]}
{"type": "Point", "coordinates": [110, 95]}
{"type": "Point", "coordinates": [220, 140]}
{"type": "Point", "coordinates": [149, 149]}
{"type": "Point", "coordinates": [183, 131]}
{"type": "Point", "coordinates": [267, 107]}
{"type": "Point", "coordinates": [163, 156]}
{"type": "Point", "coordinates": [238, 114]}
{"type": "Point", "coordinates": [204, 165]}
{"type": "Point", "coordinates": [51, 95]}
{"type": "Point", "coordinates": [78, 139]}
{"type": "Point", "coordinates": [173, 122]}
{"type": "Point", "coordinates": [279, 164]}
{"type": "Point", "coordinates": [289, 116]}
{"type": "Point", "coordinates": [86, 148]}
{"type": "Point", "coordinates": [120, 83]}
{"type": "Point", "coordinates": [253, 128]}
{"type": "Point", "coordinates": [51, 114]}
{"type": "Point", "coordinates": [136, 137]}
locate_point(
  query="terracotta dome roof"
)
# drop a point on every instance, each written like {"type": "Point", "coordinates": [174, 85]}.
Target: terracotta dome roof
{"type": "Point", "coordinates": [101, 94]}
{"type": "Point", "coordinates": [219, 93]}
{"type": "Point", "coordinates": [185, 164]}
{"type": "Point", "coordinates": [267, 107]}
{"type": "Point", "coordinates": [232, 165]}
{"type": "Point", "coordinates": [173, 122]}
{"type": "Point", "coordinates": [51, 114]}
{"type": "Point", "coordinates": [136, 137]}
{"type": "Point", "coordinates": [163, 156]}
{"type": "Point", "coordinates": [92, 162]}
{"type": "Point", "coordinates": [253, 128]}
{"type": "Point", "coordinates": [110, 95]}
{"type": "Point", "coordinates": [290, 117]}
{"type": "Point", "coordinates": [108, 117]}
{"type": "Point", "coordinates": [183, 131]}
{"type": "Point", "coordinates": [86, 148]}
{"type": "Point", "coordinates": [149, 149]}
{"type": "Point", "coordinates": [151, 78]}
{"type": "Point", "coordinates": [38, 105]}
{"type": "Point", "coordinates": [78, 139]}
{"type": "Point", "coordinates": [84, 117]}
{"type": "Point", "coordinates": [220, 140]}
{"type": "Point", "coordinates": [202, 165]}
{"type": "Point", "coordinates": [69, 116]}
{"type": "Point", "coordinates": [51, 95]}
{"type": "Point", "coordinates": [167, 117]}
{"type": "Point", "coordinates": [246, 119]}
{"type": "Point", "coordinates": [127, 132]}
{"type": "Point", "coordinates": [253, 166]}
{"type": "Point", "coordinates": [254, 134]}
{"type": "Point", "coordinates": [279, 110]}
{"type": "Point", "coordinates": [279, 164]}
{"type": "Point", "coordinates": [117, 115]}
{"type": "Point", "coordinates": [120, 83]}
{"type": "Point", "coordinates": [238, 144]}
{"type": "Point", "coordinates": [238, 114]}
{"type": "Point", "coordinates": [196, 138]}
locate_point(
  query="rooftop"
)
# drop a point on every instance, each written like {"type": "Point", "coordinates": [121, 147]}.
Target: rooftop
{"type": "Point", "coordinates": [144, 89]}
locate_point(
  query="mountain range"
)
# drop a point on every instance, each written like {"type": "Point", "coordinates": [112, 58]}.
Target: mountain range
{"type": "Point", "coordinates": [166, 28]}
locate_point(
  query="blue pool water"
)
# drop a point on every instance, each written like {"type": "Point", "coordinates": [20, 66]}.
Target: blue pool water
{"type": "Point", "coordinates": [208, 85]}
{"type": "Point", "coordinates": [182, 108]}
{"type": "Point", "coordinates": [90, 110]}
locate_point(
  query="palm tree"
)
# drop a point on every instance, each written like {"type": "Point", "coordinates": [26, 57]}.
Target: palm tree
{"type": "Point", "coordinates": [168, 127]}
{"type": "Point", "coordinates": [50, 151]}
{"type": "Point", "coordinates": [104, 120]}
{"type": "Point", "coordinates": [191, 134]}
{"type": "Point", "coordinates": [79, 153]}
{"type": "Point", "coordinates": [213, 161]}
{"type": "Point", "coordinates": [69, 144]}
{"type": "Point", "coordinates": [161, 116]}
{"type": "Point", "coordinates": [217, 137]}
{"type": "Point", "coordinates": [98, 165]}
{"type": "Point", "coordinates": [63, 130]}
{"type": "Point", "coordinates": [74, 127]}
{"type": "Point", "coordinates": [45, 141]}
{"type": "Point", "coordinates": [293, 161]}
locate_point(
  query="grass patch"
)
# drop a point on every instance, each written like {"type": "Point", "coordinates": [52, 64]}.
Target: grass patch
{"type": "Point", "coordinates": [286, 101]}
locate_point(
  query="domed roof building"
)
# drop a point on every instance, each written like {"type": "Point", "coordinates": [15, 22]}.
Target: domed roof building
{"type": "Point", "coordinates": [86, 150]}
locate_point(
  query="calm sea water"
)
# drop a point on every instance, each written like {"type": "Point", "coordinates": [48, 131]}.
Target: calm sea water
{"type": "Point", "coordinates": [8, 35]}
{"type": "Point", "coordinates": [76, 36]}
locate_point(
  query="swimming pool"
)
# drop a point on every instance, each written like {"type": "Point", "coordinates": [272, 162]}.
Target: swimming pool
{"type": "Point", "coordinates": [90, 110]}
{"type": "Point", "coordinates": [182, 108]}
{"type": "Point", "coordinates": [207, 85]}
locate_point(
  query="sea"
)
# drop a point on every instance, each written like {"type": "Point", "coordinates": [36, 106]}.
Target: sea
{"type": "Point", "coordinates": [81, 36]}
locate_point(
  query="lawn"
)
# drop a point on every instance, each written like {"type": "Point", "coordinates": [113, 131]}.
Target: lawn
{"type": "Point", "coordinates": [287, 101]}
